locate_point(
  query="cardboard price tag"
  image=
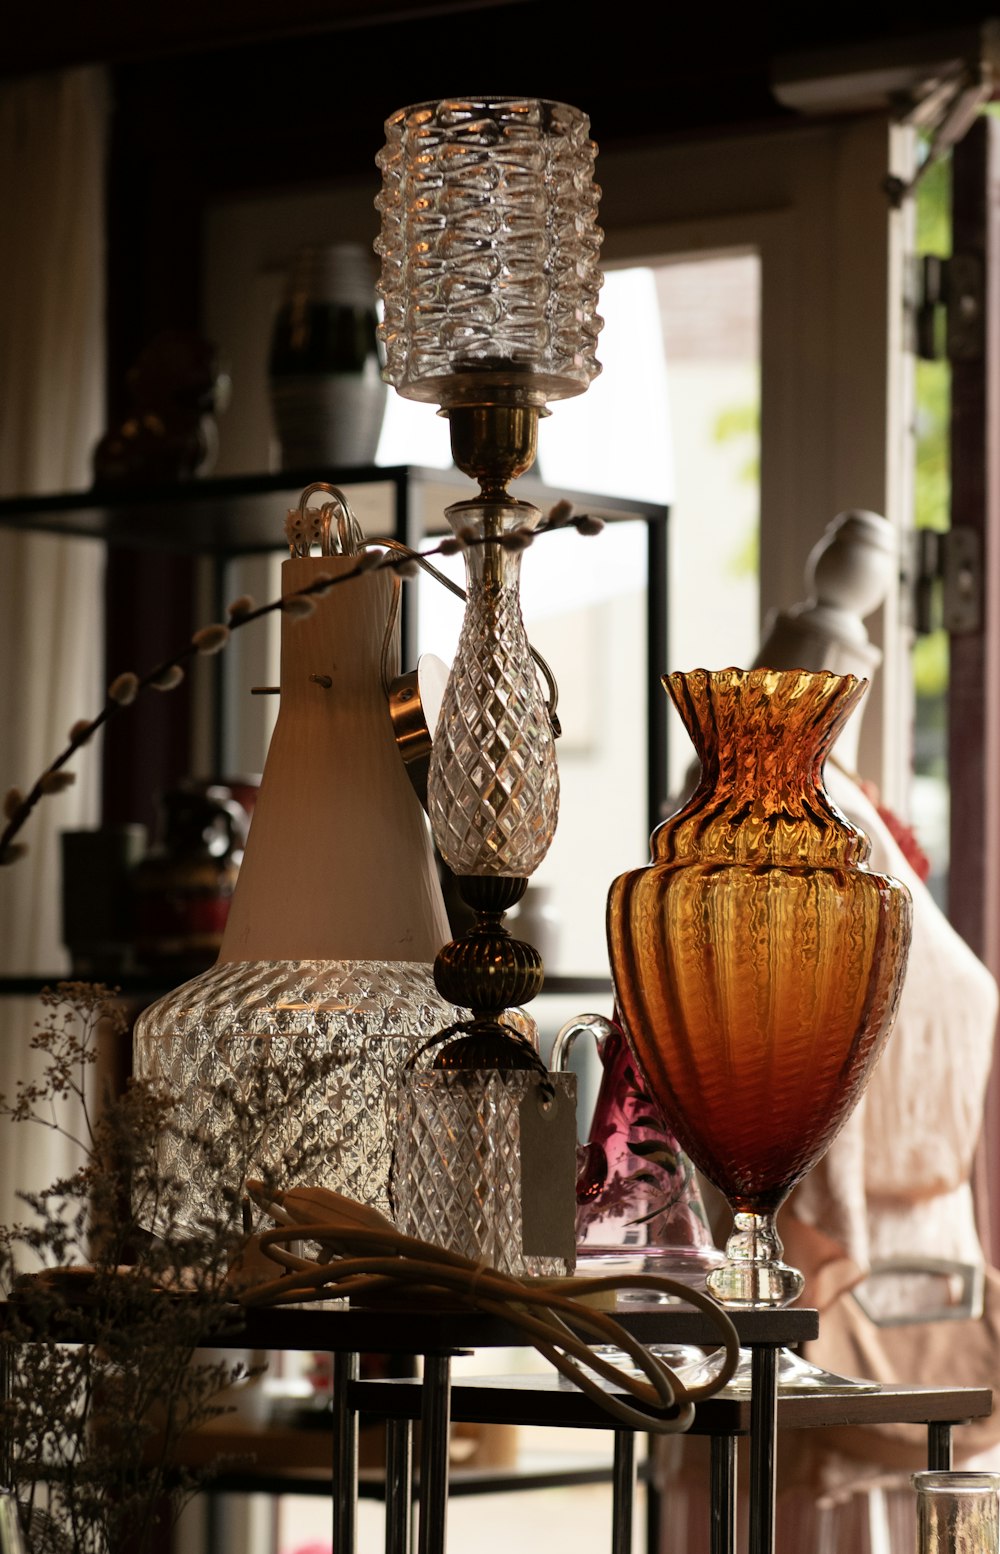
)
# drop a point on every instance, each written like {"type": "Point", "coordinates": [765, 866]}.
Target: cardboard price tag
{"type": "Point", "coordinates": [548, 1168]}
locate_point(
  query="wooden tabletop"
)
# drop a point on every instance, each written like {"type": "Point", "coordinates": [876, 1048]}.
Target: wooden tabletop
{"type": "Point", "coordinates": [428, 1330]}
{"type": "Point", "coordinates": [424, 1328]}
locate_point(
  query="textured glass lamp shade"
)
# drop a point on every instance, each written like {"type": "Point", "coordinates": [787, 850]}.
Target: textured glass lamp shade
{"type": "Point", "coordinates": [493, 783]}
{"type": "Point", "coordinates": [489, 246]}
{"type": "Point", "coordinates": [757, 960]}
{"type": "Point", "coordinates": [294, 1064]}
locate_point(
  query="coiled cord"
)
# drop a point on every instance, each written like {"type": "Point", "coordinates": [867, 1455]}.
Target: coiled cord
{"type": "Point", "coordinates": [363, 1258]}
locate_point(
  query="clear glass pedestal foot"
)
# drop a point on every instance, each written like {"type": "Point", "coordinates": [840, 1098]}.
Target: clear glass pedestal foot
{"type": "Point", "coordinates": [691, 1365]}
{"type": "Point", "coordinates": [795, 1375]}
{"type": "Point", "coordinates": [693, 1368]}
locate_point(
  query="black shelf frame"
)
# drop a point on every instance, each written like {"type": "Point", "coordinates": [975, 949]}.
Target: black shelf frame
{"type": "Point", "coordinates": [229, 516]}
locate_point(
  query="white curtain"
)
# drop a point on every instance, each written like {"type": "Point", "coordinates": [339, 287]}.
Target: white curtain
{"type": "Point", "coordinates": [53, 142]}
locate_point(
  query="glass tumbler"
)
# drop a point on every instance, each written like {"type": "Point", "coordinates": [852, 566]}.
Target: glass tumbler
{"type": "Point", "coordinates": [457, 1172]}
{"type": "Point", "coordinates": [957, 1513]}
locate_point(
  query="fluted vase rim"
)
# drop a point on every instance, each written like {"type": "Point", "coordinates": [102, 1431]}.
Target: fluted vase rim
{"type": "Point", "coordinates": [762, 736]}
{"type": "Point", "coordinates": [736, 675]}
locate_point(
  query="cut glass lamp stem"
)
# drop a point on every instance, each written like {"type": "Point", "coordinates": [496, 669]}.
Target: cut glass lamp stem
{"type": "Point", "coordinates": [493, 784]}
{"type": "Point", "coordinates": [489, 282]}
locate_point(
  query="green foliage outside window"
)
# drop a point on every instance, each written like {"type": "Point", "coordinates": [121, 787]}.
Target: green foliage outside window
{"type": "Point", "coordinates": [932, 486]}
{"type": "Point", "coordinates": [741, 423]}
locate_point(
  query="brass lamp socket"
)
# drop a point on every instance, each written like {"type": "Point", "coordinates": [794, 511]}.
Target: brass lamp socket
{"type": "Point", "coordinates": [487, 1044]}
{"type": "Point", "coordinates": [494, 443]}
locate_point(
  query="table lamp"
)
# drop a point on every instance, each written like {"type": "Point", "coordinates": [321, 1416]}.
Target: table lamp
{"type": "Point", "coordinates": [285, 1054]}
{"type": "Point", "coordinates": [489, 250]}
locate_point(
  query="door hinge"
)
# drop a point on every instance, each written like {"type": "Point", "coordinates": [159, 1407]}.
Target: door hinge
{"type": "Point", "coordinates": [950, 308]}
{"type": "Point", "coordinates": [947, 581]}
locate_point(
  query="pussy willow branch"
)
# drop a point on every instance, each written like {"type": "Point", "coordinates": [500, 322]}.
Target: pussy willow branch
{"type": "Point", "coordinates": [168, 674]}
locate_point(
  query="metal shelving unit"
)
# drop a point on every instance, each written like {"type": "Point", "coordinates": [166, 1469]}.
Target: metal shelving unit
{"type": "Point", "coordinates": [221, 519]}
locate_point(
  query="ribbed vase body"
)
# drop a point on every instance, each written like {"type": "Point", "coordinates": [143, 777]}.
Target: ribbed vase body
{"type": "Point", "coordinates": [757, 960]}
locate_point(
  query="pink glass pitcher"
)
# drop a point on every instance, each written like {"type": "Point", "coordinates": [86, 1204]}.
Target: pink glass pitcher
{"type": "Point", "coordinates": [638, 1200]}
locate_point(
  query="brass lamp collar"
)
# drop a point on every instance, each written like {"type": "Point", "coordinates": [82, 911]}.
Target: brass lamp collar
{"type": "Point", "coordinates": [494, 441]}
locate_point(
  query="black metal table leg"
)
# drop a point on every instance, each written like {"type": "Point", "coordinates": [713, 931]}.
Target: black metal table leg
{"type": "Point", "coordinates": [939, 1447]}
{"type": "Point", "coordinates": [653, 1498]}
{"type": "Point", "coordinates": [763, 1441]}
{"type": "Point", "coordinates": [345, 1454]}
{"type": "Point", "coordinates": [398, 1485]}
{"type": "Point", "coordinates": [435, 1420]}
{"type": "Point", "coordinates": [623, 1482]}
{"type": "Point", "coordinates": [723, 1493]}
{"type": "Point", "coordinates": [6, 1423]}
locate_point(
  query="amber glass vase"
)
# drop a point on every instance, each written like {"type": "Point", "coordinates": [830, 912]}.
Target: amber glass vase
{"type": "Point", "coordinates": [757, 961]}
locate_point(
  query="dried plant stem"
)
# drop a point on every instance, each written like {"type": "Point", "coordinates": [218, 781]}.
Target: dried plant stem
{"type": "Point", "coordinates": [169, 673]}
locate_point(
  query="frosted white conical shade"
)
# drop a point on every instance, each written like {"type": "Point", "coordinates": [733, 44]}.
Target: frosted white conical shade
{"type": "Point", "coordinates": [339, 862]}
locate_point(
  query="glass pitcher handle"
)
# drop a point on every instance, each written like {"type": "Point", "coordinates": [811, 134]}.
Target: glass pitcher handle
{"type": "Point", "coordinates": [598, 1026]}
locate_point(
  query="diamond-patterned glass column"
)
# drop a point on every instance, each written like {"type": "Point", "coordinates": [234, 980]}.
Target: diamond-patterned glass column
{"type": "Point", "coordinates": [493, 787]}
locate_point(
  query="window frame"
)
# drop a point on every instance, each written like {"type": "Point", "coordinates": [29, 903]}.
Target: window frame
{"type": "Point", "coordinates": [837, 372]}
